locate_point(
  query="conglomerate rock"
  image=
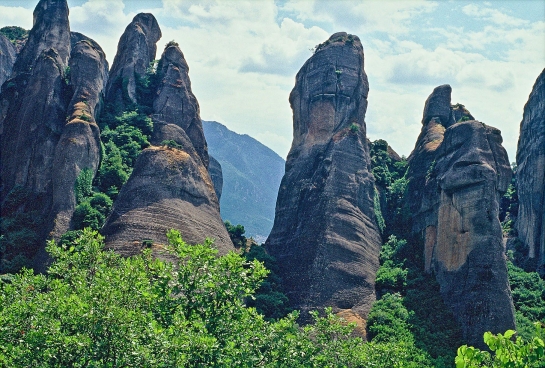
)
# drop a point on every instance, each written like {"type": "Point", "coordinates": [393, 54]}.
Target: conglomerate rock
{"type": "Point", "coordinates": [214, 169]}
{"type": "Point", "coordinates": [531, 175]}
{"type": "Point", "coordinates": [457, 174]}
{"type": "Point", "coordinates": [325, 237]}
{"type": "Point", "coordinates": [45, 138]}
{"type": "Point", "coordinates": [170, 187]}
{"type": "Point", "coordinates": [135, 51]}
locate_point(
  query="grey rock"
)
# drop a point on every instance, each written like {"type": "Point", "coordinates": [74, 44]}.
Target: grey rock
{"type": "Point", "coordinates": [325, 237]}
{"type": "Point", "coordinates": [135, 51]}
{"type": "Point", "coordinates": [214, 169]}
{"type": "Point", "coordinates": [531, 175]}
{"type": "Point", "coordinates": [7, 58]}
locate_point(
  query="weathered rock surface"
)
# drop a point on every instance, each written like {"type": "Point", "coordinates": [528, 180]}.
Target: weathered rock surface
{"type": "Point", "coordinates": [7, 58]}
{"type": "Point", "coordinates": [170, 187]}
{"type": "Point", "coordinates": [50, 31]}
{"type": "Point", "coordinates": [325, 237]}
{"type": "Point", "coordinates": [135, 51]}
{"type": "Point", "coordinates": [48, 133]}
{"type": "Point", "coordinates": [458, 172]}
{"type": "Point", "coordinates": [176, 103]}
{"type": "Point", "coordinates": [79, 144]}
{"type": "Point", "coordinates": [531, 175]}
{"type": "Point", "coordinates": [214, 169]}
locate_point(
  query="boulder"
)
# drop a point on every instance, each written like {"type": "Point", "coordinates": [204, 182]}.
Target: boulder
{"type": "Point", "coordinates": [7, 58]}
{"type": "Point", "coordinates": [135, 51]}
{"type": "Point", "coordinates": [530, 224]}
{"type": "Point", "coordinates": [325, 236]}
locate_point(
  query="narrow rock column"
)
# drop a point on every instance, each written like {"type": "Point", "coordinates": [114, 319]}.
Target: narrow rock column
{"type": "Point", "coordinates": [325, 237]}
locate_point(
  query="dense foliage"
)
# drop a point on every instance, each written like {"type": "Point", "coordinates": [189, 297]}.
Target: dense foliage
{"type": "Point", "coordinates": [96, 308]}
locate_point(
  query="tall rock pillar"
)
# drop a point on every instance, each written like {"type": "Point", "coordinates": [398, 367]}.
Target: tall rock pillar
{"type": "Point", "coordinates": [325, 236]}
{"type": "Point", "coordinates": [531, 175]}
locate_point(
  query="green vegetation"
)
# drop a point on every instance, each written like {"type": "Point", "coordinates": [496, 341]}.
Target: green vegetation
{"type": "Point", "coordinates": [96, 308]}
{"type": "Point", "coordinates": [507, 351]}
{"type": "Point", "coordinates": [14, 33]}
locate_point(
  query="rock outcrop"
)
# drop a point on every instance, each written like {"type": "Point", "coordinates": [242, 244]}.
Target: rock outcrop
{"type": "Point", "coordinates": [457, 174]}
{"type": "Point", "coordinates": [7, 58]}
{"type": "Point", "coordinates": [79, 144]}
{"type": "Point", "coordinates": [170, 187]}
{"type": "Point", "coordinates": [135, 51]}
{"type": "Point", "coordinates": [47, 126]}
{"type": "Point", "coordinates": [216, 174]}
{"type": "Point", "coordinates": [325, 237]}
{"type": "Point", "coordinates": [530, 224]}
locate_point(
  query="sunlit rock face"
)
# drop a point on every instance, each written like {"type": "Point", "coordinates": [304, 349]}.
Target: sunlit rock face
{"type": "Point", "coordinates": [457, 174]}
{"type": "Point", "coordinates": [531, 175]}
{"type": "Point", "coordinates": [170, 186]}
{"type": "Point", "coordinates": [473, 172]}
{"type": "Point", "coordinates": [325, 237]}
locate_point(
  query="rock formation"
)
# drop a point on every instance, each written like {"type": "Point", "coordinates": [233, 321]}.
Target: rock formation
{"type": "Point", "coordinates": [170, 187]}
{"type": "Point", "coordinates": [325, 237]}
{"type": "Point", "coordinates": [7, 58]}
{"type": "Point", "coordinates": [214, 169]}
{"type": "Point", "coordinates": [458, 172]}
{"type": "Point", "coordinates": [79, 144]}
{"type": "Point", "coordinates": [42, 149]}
{"type": "Point", "coordinates": [135, 51]}
{"type": "Point", "coordinates": [531, 175]}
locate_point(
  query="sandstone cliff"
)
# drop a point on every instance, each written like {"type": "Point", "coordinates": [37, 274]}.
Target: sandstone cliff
{"type": "Point", "coordinates": [7, 58]}
{"type": "Point", "coordinates": [42, 149]}
{"type": "Point", "coordinates": [135, 51]}
{"type": "Point", "coordinates": [170, 187]}
{"type": "Point", "coordinates": [325, 237]}
{"type": "Point", "coordinates": [457, 172]}
{"type": "Point", "coordinates": [531, 175]}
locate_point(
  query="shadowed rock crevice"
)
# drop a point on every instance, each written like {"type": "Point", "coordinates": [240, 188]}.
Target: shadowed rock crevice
{"type": "Point", "coordinates": [531, 175]}
{"type": "Point", "coordinates": [325, 236]}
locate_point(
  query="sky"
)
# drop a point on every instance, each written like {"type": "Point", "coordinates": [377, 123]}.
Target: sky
{"type": "Point", "coordinates": [243, 56]}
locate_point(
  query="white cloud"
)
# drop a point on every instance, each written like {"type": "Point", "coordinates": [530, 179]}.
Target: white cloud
{"type": "Point", "coordinates": [493, 15]}
{"type": "Point", "coordinates": [16, 16]}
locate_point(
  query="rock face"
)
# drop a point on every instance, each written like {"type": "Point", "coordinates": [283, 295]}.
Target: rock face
{"type": "Point", "coordinates": [7, 58]}
{"type": "Point", "coordinates": [43, 150]}
{"type": "Point", "coordinates": [170, 187]}
{"type": "Point", "coordinates": [325, 237]}
{"type": "Point", "coordinates": [135, 51]}
{"type": "Point", "coordinates": [458, 172]}
{"type": "Point", "coordinates": [214, 169]}
{"type": "Point", "coordinates": [531, 175]}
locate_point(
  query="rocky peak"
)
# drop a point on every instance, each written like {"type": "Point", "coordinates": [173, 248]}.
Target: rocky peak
{"type": "Point", "coordinates": [175, 102]}
{"type": "Point", "coordinates": [531, 175]}
{"type": "Point", "coordinates": [457, 174]}
{"type": "Point", "coordinates": [135, 51]}
{"type": "Point", "coordinates": [51, 30]}
{"type": "Point", "coordinates": [325, 236]}
{"type": "Point", "coordinates": [7, 58]}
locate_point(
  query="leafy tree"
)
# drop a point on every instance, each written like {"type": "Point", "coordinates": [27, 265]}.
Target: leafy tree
{"type": "Point", "coordinates": [236, 233]}
{"type": "Point", "coordinates": [507, 351]}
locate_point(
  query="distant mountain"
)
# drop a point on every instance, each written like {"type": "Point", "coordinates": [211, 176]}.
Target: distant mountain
{"type": "Point", "coordinates": [251, 177]}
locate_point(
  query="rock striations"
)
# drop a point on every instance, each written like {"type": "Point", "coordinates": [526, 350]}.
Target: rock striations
{"type": "Point", "coordinates": [47, 124]}
{"type": "Point", "coordinates": [457, 173]}
{"type": "Point", "coordinates": [531, 175]}
{"type": "Point", "coordinates": [325, 237]}
{"type": "Point", "coordinates": [136, 50]}
{"type": "Point", "coordinates": [170, 187]}
{"type": "Point", "coordinates": [7, 58]}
